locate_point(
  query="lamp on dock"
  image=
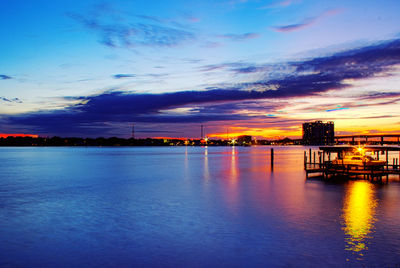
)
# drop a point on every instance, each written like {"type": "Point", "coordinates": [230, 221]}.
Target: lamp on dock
{"type": "Point", "coordinates": [361, 150]}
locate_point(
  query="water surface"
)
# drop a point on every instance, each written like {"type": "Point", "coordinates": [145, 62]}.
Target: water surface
{"type": "Point", "coordinates": [188, 207]}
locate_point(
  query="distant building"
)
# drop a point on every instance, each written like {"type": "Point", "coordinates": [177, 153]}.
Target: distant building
{"type": "Point", "coordinates": [318, 133]}
{"type": "Point", "coordinates": [244, 140]}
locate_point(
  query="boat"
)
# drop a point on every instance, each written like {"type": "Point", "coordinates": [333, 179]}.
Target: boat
{"type": "Point", "coordinates": [358, 158]}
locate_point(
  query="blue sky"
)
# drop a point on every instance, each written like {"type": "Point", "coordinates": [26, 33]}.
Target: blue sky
{"type": "Point", "coordinates": [92, 68]}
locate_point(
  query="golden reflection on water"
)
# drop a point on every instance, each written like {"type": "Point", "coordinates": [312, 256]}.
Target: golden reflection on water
{"type": "Point", "coordinates": [359, 216]}
{"type": "Point", "coordinates": [231, 174]}
{"type": "Point", "coordinates": [206, 172]}
{"type": "Point", "coordinates": [234, 167]}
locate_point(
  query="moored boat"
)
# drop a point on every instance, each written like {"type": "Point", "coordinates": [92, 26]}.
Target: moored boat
{"type": "Point", "coordinates": [358, 157]}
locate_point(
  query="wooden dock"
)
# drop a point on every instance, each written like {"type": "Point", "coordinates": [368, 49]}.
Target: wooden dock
{"type": "Point", "coordinates": [320, 163]}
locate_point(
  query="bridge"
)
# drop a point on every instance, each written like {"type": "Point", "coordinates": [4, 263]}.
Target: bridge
{"type": "Point", "coordinates": [353, 139]}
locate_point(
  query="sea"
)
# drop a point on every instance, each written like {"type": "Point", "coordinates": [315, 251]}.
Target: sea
{"type": "Point", "coordinates": [189, 207]}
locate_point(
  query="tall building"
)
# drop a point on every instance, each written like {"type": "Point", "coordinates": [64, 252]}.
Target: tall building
{"type": "Point", "coordinates": [318, 133]}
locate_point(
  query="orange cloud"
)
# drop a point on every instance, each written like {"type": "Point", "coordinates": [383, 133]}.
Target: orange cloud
{"type": "Point", "coordinates": [265, 133]}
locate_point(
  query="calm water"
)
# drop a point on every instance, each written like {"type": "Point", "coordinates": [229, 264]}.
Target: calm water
{"type": "Point", "coordinates": [188, 207]}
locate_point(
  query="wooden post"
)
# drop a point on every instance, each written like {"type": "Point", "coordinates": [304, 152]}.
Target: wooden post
{"type": "Point", "coordinates": [305, 159]}
{"type": "Point", "coordinates": [314, 158]}
{"type": "Point", "coordinates": [387, 159]}
{"type": "Point", "coordinates": [377, 155]}
{"type": "Point", "coordinates": [272, 158]}
{"type": "Point", "coordinates": [397, 165]}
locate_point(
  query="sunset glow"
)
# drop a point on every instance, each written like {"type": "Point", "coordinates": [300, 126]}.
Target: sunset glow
{"type": "Point", "coordinates": [4, 135]}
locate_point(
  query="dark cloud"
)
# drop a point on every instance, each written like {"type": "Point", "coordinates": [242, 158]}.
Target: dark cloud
{"type": "Point", "coordinates": [156, 131]}
{"type": "Point", "coordinates": [362, 102]}
{"type": "Point", "coordinates": [297, 26]}
{"type": "Point", "coordinates": [145, 108]}
{"type": "Point", "coordinates": [15, 100]}
{"type": "Point", "coordinates": [119, 76]}
{"type": "Point", "coordinates": [379, 95]}
{"type": "Point", "coordinates": [311, 77]}
{"type": "Point", "coordinates": [245, 68]}
{"type": "Point", "coordinates": [306, 22]}
{"type": "Point", "coordinates": [122, 107]}
{"type": "Point", "coordinates": [234, 107]}
{"type": "Point", "coordinates": [356, 63]}
{"type": "Point", "coordinates": [251, 69]}
{"type": "Point", "coordinates": [239, 37]}
{"type": "Point", "coordinates": [215, 67]}
{"type": "Point", "coordinates": [117, 33]}
{"type": "Point", "coordinates": [5, 77]}
{"type": "Point", "coordinates": [159, 75]}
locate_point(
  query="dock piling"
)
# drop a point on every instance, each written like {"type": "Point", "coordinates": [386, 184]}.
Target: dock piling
{"type": "Point", "coordinates": [272, 158]}
{"type": "Point", "coordinates": [387, 159]}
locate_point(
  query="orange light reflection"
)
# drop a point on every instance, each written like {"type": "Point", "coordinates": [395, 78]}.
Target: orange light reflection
{"type": "Point", "coordinates": [359, 216]}
{"type": "Point", "coordinates": [231, 189]}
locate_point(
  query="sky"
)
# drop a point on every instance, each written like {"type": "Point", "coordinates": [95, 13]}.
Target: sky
{"type": "Point", "coordinates": [246, 67]}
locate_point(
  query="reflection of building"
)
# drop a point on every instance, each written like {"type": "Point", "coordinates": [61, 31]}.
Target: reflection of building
{"type": "Point", "coordinates": [316, 133]}
{"type": "Point", "coordinates": [244, 140]}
